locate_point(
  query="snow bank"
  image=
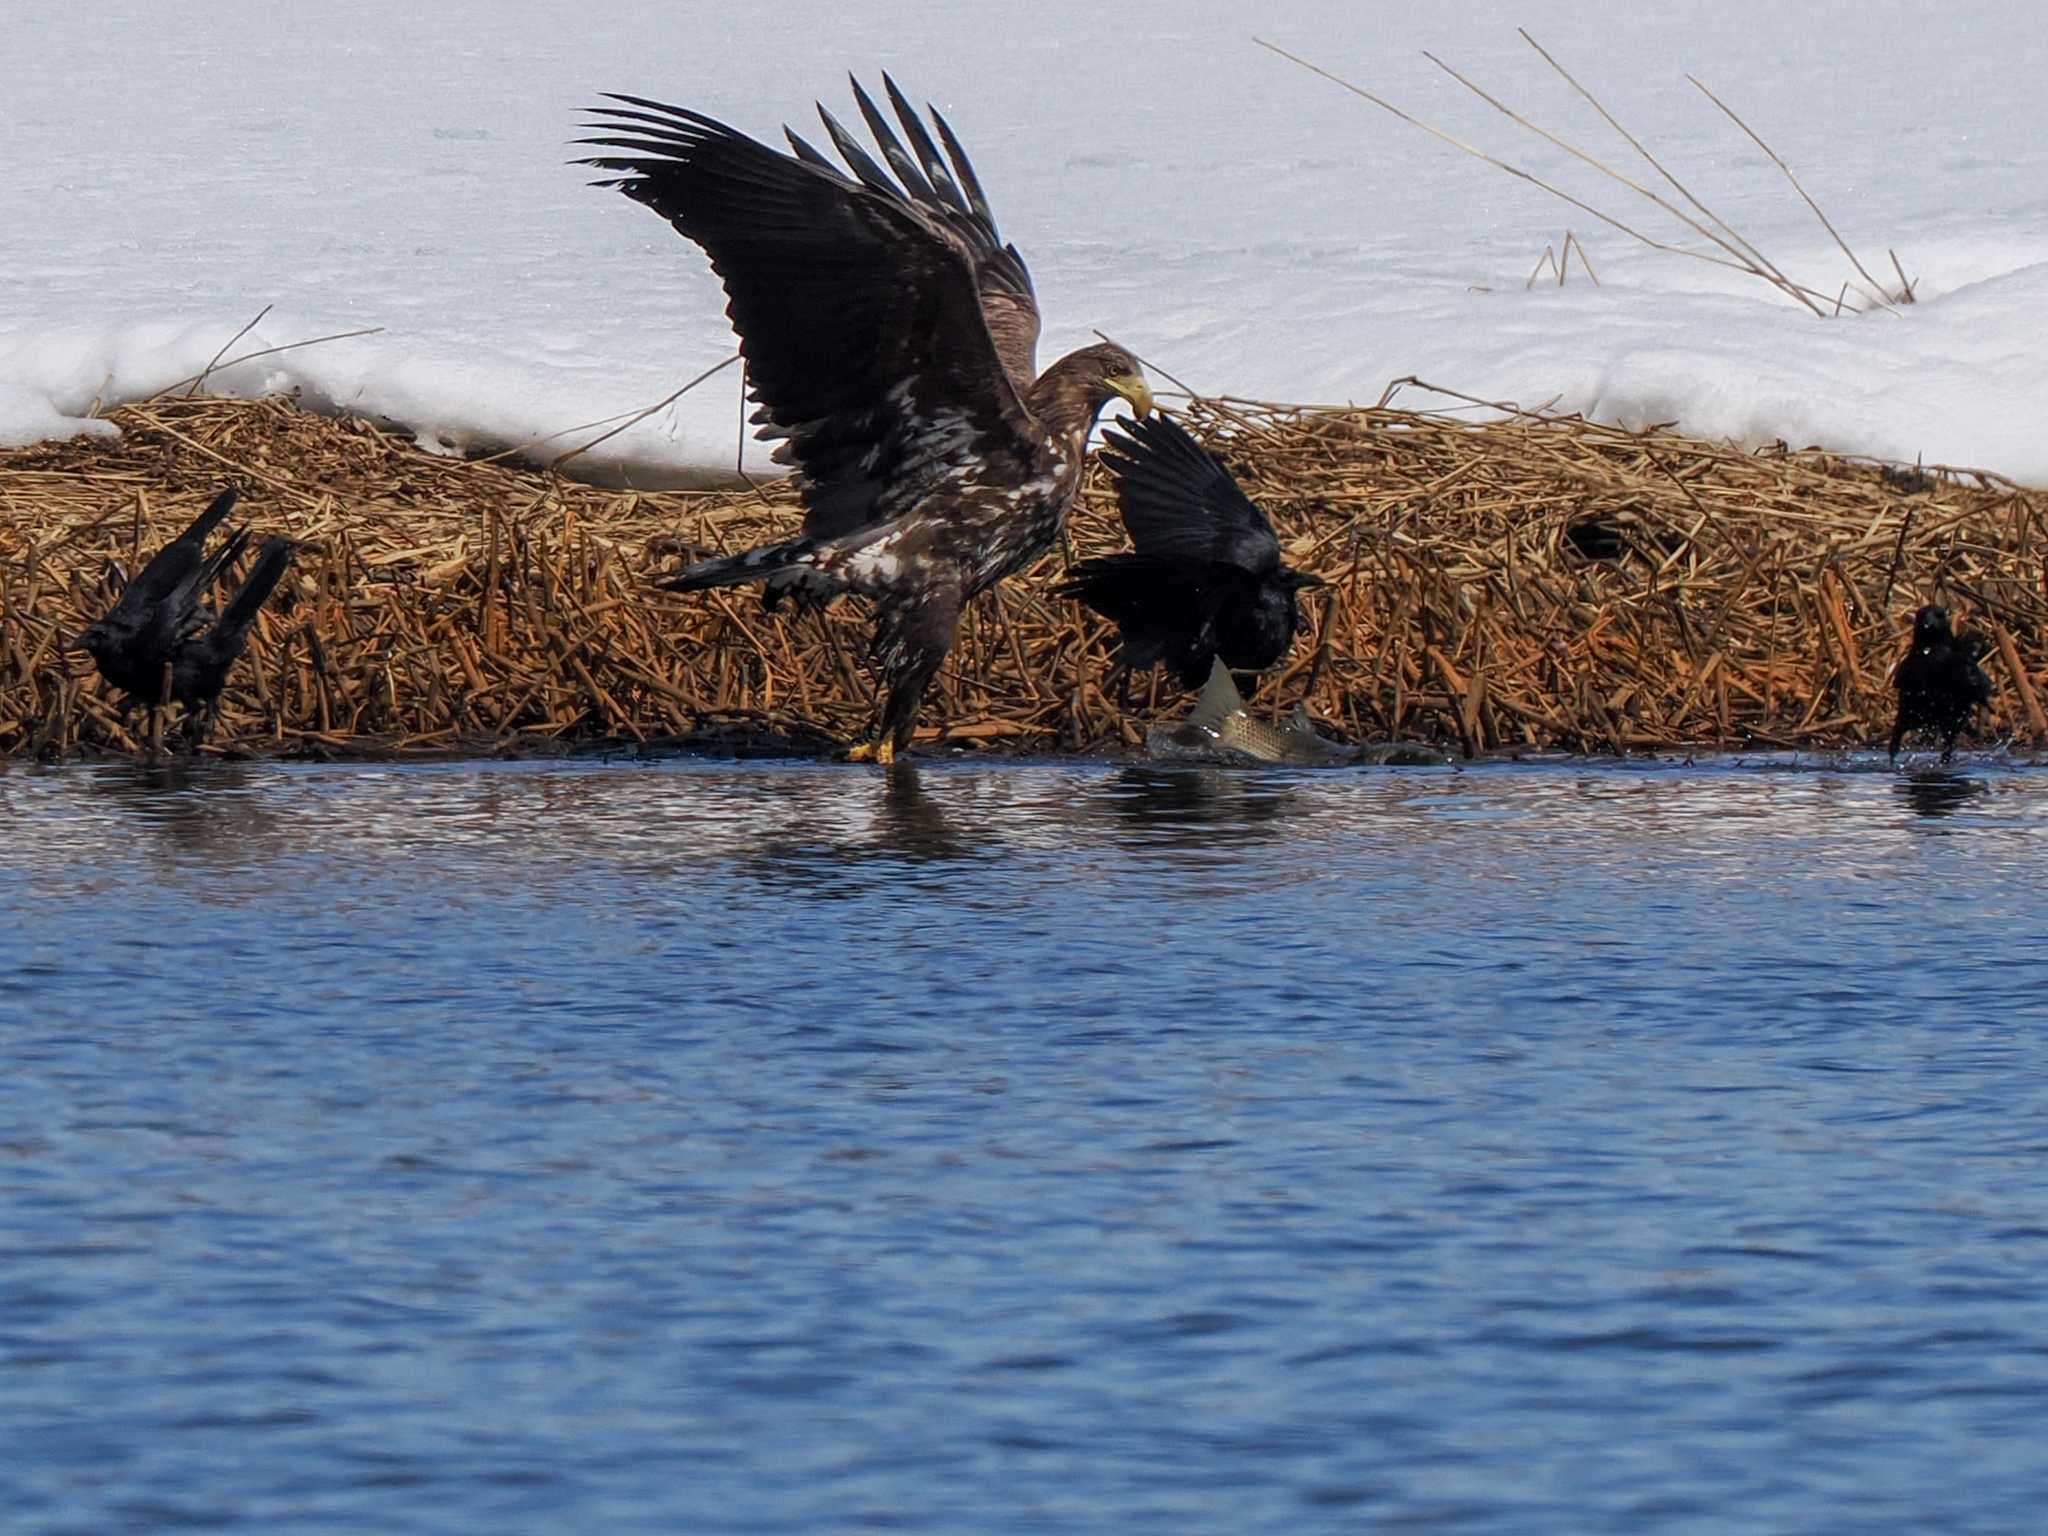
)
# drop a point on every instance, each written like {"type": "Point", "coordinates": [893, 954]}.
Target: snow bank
{"type": "Point", "coordinates": [1245, 225]}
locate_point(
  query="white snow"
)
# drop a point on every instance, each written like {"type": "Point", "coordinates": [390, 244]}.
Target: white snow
{"type": "Point", "coordinates": [168, 171]}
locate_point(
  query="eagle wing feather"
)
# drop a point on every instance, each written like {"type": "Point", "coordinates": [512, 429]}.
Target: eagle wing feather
{"type": "Point", "coordinates": [859, 312]}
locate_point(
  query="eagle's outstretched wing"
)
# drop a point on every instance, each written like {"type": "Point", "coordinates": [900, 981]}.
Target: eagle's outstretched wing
{"type": "Point", "coordinates": [858, 311]}
{"type": "Point", "coordinates": [889, 333]}
{"type": "Point", "coordinates": [947, 189]}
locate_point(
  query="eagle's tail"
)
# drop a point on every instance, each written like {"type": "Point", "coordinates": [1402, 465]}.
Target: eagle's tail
{"type": "Point", "coordinates": [753, 565]}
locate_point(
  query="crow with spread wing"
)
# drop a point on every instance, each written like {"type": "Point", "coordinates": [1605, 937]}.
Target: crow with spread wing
{"type": "Point", "coordinates": [162, 608]}
{"type": "Point", "coordinates": [1204, 579]}
{"type": "Point", "coordinates": [160, 641]}
{"type": "Point", "coordinates": [200, 669]}
{"type": "Point", "coordinates": [889, 335]}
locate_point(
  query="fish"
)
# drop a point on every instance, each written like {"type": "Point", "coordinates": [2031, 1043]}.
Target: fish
{"type": "Point", "coordinates": [1220, 729]}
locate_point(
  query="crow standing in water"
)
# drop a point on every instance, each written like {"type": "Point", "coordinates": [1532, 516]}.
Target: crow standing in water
{"type": "Point", "coordinates": [1204, 579]}
{"type": "Point", "coordinates": [159, 641]}
{"type": "Point", "coordinates": [1939, 681]}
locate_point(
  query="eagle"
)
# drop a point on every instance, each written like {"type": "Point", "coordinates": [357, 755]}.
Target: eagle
{"type": "Point", "coordinates": [1939, 682]}
{"type": "Point", "coordinates": [890, 336]}
{"type": "Point", "coordinates": [161, 642]}
{"type": "Point", "coordinates": [1204, 580]}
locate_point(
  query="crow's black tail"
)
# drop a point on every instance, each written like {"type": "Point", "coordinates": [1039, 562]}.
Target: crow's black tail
{"type": "Point", "coordinates": [178, 573]}
{"type": "Point", "coordinates": [216, 511]}
{"type": "Point", "coordinates": [220, 560]}
{"type": "Point", "coordinates": [272, 558]}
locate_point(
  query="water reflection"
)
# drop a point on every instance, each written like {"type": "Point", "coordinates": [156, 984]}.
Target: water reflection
{"type": "Point", "coordinates": [1936, 794]}
{"type": "Point", "coordinates": [1198, 806]}
{"type": "Point", "coordinates": [557, 820]}
{"type": "Point", "coordinates": [908, 825]}
{"type": "Point", "coordinates": [913, 824]}
{"type": "Point", "coordinates": [183, 808]}
{"type": "Point", "coordinates": [750, 1101]}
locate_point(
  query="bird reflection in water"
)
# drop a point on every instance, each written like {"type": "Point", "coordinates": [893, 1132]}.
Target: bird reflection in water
{"type": "Point", "coordinates": [204, 808]}
{"type": "Point", "coordinates": [914, 825]}
{"type": "Point", "coordinates": [1939, 794]}
{"type": "Point", "coordinates": [910, 825]}
{"type": "Point", "coordinates": [1198, 806]}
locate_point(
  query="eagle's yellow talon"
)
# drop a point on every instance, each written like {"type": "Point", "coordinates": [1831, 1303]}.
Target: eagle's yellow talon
{"type": "Point", "coordinates": [882, 752]}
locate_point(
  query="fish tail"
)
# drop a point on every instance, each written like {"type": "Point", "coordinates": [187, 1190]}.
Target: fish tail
{"type": "Point", "coordinates": [1218, 700]}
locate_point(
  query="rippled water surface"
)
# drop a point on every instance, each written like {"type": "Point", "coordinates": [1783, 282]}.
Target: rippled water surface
{"type": "Point", "coordinates": [784, 1148]}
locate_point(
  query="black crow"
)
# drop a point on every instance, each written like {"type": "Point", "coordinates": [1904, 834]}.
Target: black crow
{"type": "Point", "coordinates": [140, 635]}
{"type": "Point", "coordinates": [1939, 681]}
{"type": "Point", "coordinates": [161, 642]}
{"type": "Point", "coordinates": [200, 669]}
{"type": "Point", "coordinates": [1204, 578]}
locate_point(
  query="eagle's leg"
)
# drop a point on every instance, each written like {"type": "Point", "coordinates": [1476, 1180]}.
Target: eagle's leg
{"type": "Point", "coordinates": [911, 643]}
{"type": "Point", "coordinates": [906, 698]}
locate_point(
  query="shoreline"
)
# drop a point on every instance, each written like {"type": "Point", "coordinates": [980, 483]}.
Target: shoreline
{"type": "Point", "coordinates": [1527, 583]}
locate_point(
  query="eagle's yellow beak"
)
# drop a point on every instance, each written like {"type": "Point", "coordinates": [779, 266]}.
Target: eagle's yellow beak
{"type": "Point", "coordinates": [1132, 387]}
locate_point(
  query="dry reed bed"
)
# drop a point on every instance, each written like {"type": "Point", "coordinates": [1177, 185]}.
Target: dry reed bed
{"type": "Point", "coordinates": [1728, 598]}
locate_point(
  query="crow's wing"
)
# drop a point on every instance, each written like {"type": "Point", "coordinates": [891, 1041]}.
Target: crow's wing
{"type": "Point", "coordinates": [1180, 502]}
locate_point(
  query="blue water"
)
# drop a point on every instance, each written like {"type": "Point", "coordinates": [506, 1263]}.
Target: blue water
{"type": "Point", "coordinates": [785, 1148]}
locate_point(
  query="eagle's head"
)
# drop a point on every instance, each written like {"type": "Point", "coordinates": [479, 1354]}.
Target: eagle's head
{"type": "Point", "coordinates": [1070, 394]}
{"type": "Point", "coordinates": [1121, 378]}
{"type": "Point", "coordinates": [1106, 372]}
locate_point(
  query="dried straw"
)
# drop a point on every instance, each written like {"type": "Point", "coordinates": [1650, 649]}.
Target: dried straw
{"type": "Point", "coordinates": [1532, 581]}
{"type": "Point", "coordinates": [1731, 249]}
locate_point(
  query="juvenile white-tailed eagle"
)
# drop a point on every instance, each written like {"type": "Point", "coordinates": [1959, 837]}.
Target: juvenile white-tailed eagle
{"type": "Point", "coordinates": [889, 334]}
{"type": "Point", "coordinates": [1204, 578]}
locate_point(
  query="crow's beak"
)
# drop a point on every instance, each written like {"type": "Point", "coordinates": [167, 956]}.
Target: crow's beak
{"type": "Point", "coordinates": [1305, 579]}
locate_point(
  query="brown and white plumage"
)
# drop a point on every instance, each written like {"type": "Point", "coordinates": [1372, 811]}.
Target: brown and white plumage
{"type": "Point", "coordinates": [889, 334]}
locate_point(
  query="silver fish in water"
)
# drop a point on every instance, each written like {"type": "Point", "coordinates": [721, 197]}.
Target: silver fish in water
{"type": "Point", "coordinates": [1220, 729]}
